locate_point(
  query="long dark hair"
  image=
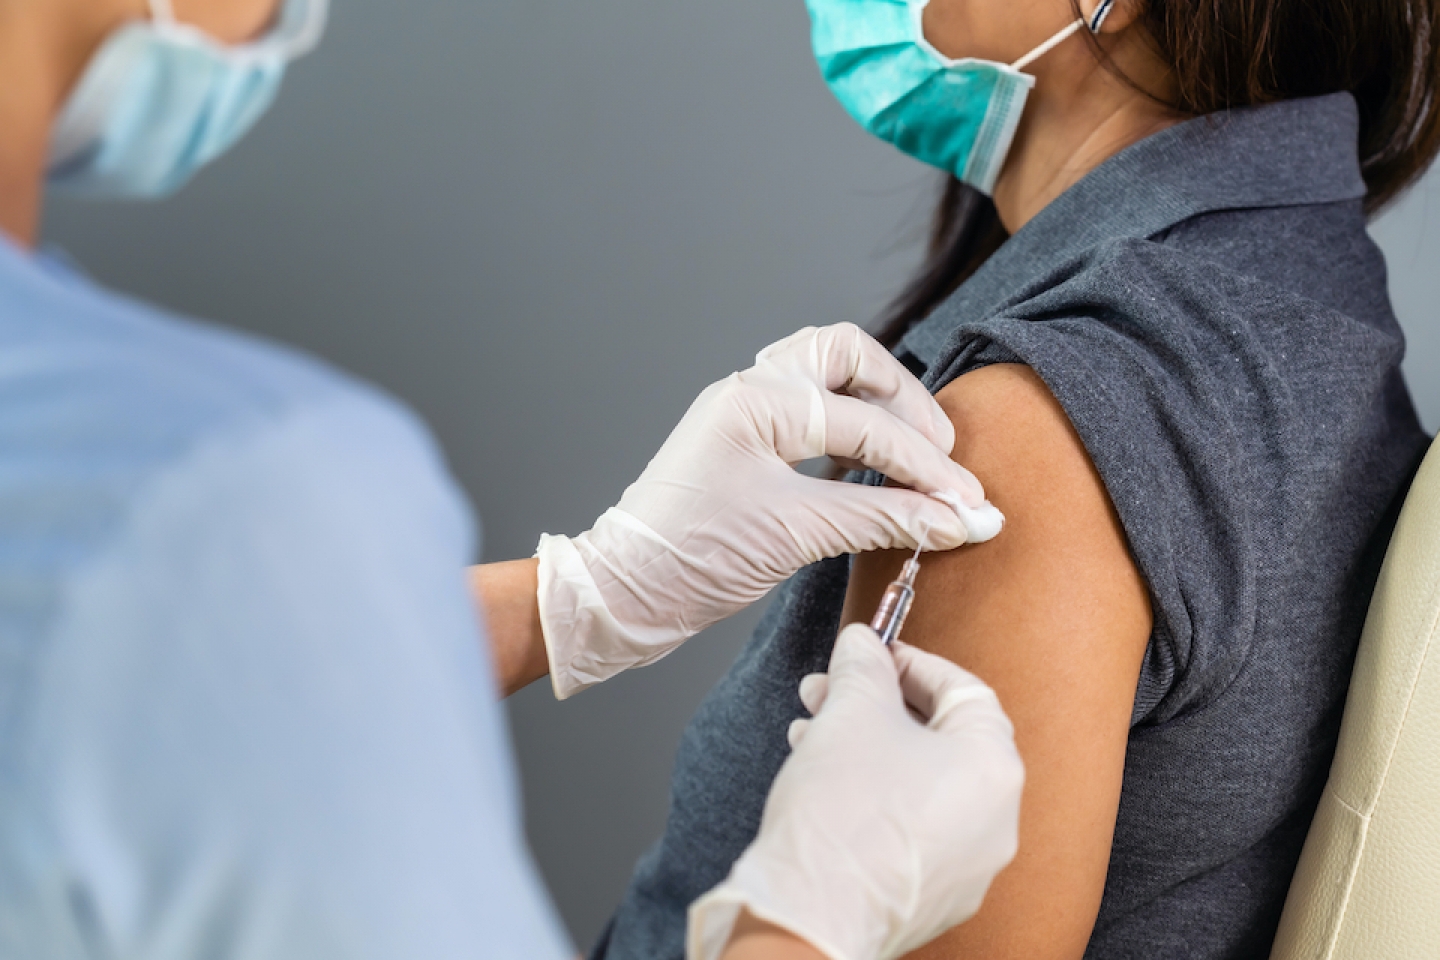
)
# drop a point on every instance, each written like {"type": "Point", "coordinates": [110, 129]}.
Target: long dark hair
{"type": "Point", "coordinates": [1236, 53]}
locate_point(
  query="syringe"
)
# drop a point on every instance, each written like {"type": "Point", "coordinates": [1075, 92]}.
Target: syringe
{"type": "Point", "coordinates": [895, 604]}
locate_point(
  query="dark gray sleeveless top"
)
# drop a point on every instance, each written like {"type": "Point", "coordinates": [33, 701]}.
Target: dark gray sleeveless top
{"type": "Point", "coordinates": [1211, 314]}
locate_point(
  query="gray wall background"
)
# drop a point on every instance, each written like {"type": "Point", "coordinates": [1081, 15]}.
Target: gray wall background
{"type": "Point", "coordinates": [547, 224]}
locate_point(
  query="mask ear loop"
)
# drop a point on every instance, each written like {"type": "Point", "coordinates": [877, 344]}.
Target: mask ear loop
{"type": "Point", "coordinates": [310, 25]}
{"type": "Point", "coordinates": [1097, 20]}
{"type": "Point", "coordinates": [1047, 46]}
{"type": "Point", "coordinates": [303, 40]}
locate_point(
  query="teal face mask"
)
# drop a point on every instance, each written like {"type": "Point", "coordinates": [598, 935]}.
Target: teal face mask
{"type": "Point", "coordinates": [160, 99]}
{"type": "Point", "coordinates": [958, 115]}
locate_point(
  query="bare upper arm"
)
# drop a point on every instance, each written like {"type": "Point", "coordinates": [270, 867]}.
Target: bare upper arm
{"type": "Point", "coordinates": [1054, 615]}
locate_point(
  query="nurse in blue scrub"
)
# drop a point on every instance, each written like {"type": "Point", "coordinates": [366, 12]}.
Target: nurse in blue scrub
{"type": "Point", "coordinates": [247, 690]}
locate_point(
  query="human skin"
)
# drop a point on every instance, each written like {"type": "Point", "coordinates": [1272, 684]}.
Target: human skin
{"type": "Point", "coordinates": [506, 593]}
{"type": "Point", "coordinates": [44, 46]}
{"type": "Point", "coordinates": [1079, 113]}
{"type": "Point", "coordinates": [1052, 613]}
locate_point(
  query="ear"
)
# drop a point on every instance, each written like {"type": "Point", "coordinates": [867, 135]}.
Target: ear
{"type": "Point", "coordinates": [1110, 16]}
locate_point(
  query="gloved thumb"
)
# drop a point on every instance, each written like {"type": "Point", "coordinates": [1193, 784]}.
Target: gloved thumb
{"type": "Point", "coordinates": [946, 696]}
{"type": "Point", "coordinates": [813, 689]}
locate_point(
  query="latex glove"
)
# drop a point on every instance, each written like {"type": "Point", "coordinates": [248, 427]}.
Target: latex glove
{"type": "Point", "coordinates": [881, 831]}
{"type": "Point", "coordinates": [720, 516]}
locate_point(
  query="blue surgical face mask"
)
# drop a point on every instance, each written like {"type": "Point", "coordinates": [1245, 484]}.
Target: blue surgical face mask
{"type": "Point", "coordinates": [958, 115]}
{"type": "Point", "coordinates": [160, 99]}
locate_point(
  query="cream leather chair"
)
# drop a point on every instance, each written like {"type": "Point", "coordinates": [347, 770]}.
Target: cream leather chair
{"type": "Point", "coordinates": [1368, 884]}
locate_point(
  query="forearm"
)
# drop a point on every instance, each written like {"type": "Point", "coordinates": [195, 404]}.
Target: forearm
{"type": "Point", "coordinates": [505, 594]}
{"type": "Point", "coordinates": [755, 939]}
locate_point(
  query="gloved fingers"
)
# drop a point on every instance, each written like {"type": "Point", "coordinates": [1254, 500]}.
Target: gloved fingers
{"type": "Point", "coordinates": [861, 669]}
{"type": "Point", "coordinates": [984, 522]}
{"type": "Point", "coordinates": [854, 363]}
{"type": "Point", "coordinates": [949, 697]}
{"type": "Point", "coordinates": [796, 731]}
{"type": "Point", "coordinates": [860, 431]}
{"type": "Point", "coordinates": [843, 358]}
{"type": "Point", "coordinates": [858, 518]}
{"type": "Point", "coordinates": [813, 688]}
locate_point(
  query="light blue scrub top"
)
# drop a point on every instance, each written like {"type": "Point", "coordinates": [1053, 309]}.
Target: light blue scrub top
{"type": "Point", "coordinates": [244, 710]}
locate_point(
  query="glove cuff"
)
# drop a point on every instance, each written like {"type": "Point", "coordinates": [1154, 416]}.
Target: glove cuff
{"type": "Point", "coordinates": [572, 616]}
{"type": "Point", "coordinates": [584, 581]}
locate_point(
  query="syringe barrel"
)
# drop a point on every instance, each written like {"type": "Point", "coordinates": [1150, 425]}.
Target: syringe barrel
{"type": "Point", "coordinates": [894, 607]}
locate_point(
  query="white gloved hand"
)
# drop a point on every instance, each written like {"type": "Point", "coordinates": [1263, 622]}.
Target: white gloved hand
{"type": "Point", "coordinates": [881, 831]}
{"type": "Point", "coordinates": [720, 516]}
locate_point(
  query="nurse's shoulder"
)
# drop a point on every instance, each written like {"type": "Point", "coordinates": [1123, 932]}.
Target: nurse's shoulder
{"type": "Point", "coordinates": [103, 396]}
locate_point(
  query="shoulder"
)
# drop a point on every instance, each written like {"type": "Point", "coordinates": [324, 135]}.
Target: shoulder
{"type": "Point", "coordinates": [1210, 401]}
{"type": "Point", "coordinates": [1282, 291]}
{"type": "Point", "coordinates": [103, 397]}
{"type": "Point", "coordinates": [1321, 255]}
{"type": "Point", "coordinates": [100, 360]}
{"type": "Point", "coordinates": [1178, 365]}
{"type": "Point", "coordinates": [134, 438]}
